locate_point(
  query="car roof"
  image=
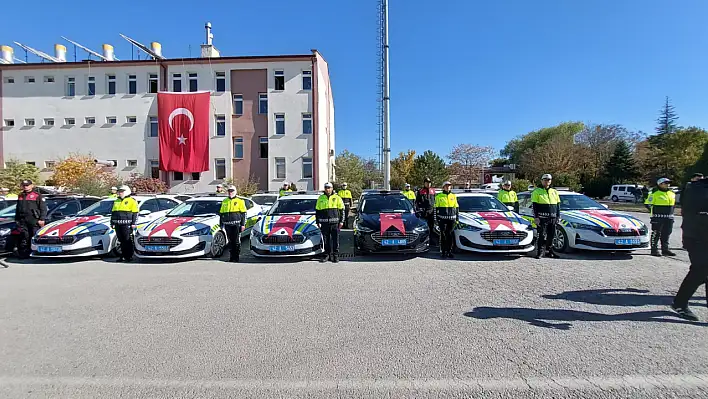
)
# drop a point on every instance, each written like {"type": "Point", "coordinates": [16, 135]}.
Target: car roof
{"type": "Point", "coordinates": [475, 194]}
{"type": "Point", "coordinates": [264, 194]}
{"type": "Point", "coordinates": [299, 196]}
{"type": "Point", "coordinates": [560, 192]}
{"type": "Point", "coordinates": [212, 198]}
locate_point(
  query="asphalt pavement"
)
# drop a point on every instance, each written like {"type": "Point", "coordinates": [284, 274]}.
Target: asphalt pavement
{"type": "Point", "coordinates": [590, 325]}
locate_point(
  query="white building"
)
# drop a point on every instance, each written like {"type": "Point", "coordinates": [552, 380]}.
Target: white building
{"type": "Point", "coordinates": [273, 118]}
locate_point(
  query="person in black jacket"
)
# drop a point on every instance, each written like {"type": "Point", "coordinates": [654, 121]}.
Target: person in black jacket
{"type": "Point", "coordinates": [425, 206]}
{"type": "Point", "coordinates": [30, 215]}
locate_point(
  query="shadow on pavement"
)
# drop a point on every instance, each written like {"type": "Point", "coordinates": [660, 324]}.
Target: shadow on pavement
{"type": "Point", "coordinates": [546, 317]}
{"type": "Point", "coordinates": [616, 297]}
{"type": "Point", "coordinates": [597, 255]}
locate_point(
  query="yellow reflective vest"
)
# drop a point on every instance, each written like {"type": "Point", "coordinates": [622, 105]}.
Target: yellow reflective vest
{"type": "Point", "coordinates": [233, 211]}
{"type": "Point", "coordinates": [446, 206]}
{"type": "Point", "coordinates": [346, 196]}
{"type": "Point", "coordinates": [283, 192]}
{"type": "Point", "coordinates": [329, 209]}
{"type": "Point", "coordinates": [661, 203]}
{"type": "Point", "coordinates": [507, 197]}
{"type": "Point", "coordinates": [125, 211]}
{"type": "Point", "coordinates": [410, 194]}
{"type": "Point", "coordinates": [546, 203]}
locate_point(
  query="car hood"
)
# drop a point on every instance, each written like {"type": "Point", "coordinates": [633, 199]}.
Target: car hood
{"type": "Point", "coordinates": [494, 221]}
{"type": "Point", "coordinates": [389, 221]}
{"type": "Point", "coordinates": [175, 226]}
{"type": "Point", "coordinates": [605, 218]}
{"type": "Point", "coordinates": [287, 224]}
{"type": "Point", "coordinates": [74, 226]}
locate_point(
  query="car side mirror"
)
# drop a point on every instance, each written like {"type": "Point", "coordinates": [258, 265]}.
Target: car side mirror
{"type": "Point", "coordinates": [511, 208]}
{"type": "Point", "coordinates": [144, 212]}
{"type": "Point", "coordinates": [606, 206]}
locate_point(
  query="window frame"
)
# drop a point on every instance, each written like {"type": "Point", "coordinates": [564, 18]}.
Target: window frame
{"type": "Point", "coordinates": [47, 120]}
{"type": "Point", "coordinates": [261, 141]}
{"type": "Point", "coordinates": [154, 165]}
{"type": "Point", "coordinates": [176, 78]}
{"type": "Point", "coordinates": [238, 101]}
{"type": "Point", "coordinates": [49, 79]}
{"type": "Point", "coordinates": [219, 76]}
{"type": "Point", "coordinates": [132, 79]}
{"type": "Point", "coordinates": [278, 116]}
{"type": "Point", "coordinates": [217, 162]}
{"type": "Point", "coordinates": [133, 121]}
{"type": "Point", "coordinates": [219, 120]}
{"type": "Point", "coordinates": [111, 78]}
{"type": "Point", "coordinates": [8, 80]}
{"type": "Point", "coordinates": [70, 83]}
{"type": "Point", "coordinates": [113, 118]}
{"type": "Point", "coordinates": [29, 122]}
{"type": "Point", "coordinates": [50, 164]}
{"type": "Point", "coordinates": [30, 80]}
{"type": "Point", "coordinates": [90, 82]}
{"type": "Point", "coordinates": [153, 77]}
{"type": "Point", "coordinates": [238, 141]}
{"type": "Point", "coordinates": [8, 123]}
{"type": "Point", "coordinates": [312, 169]}
{"type": "Point", "coordinates": [66, 121]}
{"type": "Point", "coordinates": [306, 74]}
{"type": "Point", "coordinates": [87, 122]}
{"type": "Point", "coordinates": [174, 176]}
{"type": "Point", "coordinates": [285, 171]}
{"type": "Point", "coordinates": [262, 98]}
{"type": "Point", "coordinates": [307, 118]}
{"type": "Point", "coordinates": [153, 120]}
{"type": "Point", "coordinates": [129, 163]}
{"type": "Point", "coordinates": [192, 77]}
{"type": "Point", "coordinates": [278, 73]}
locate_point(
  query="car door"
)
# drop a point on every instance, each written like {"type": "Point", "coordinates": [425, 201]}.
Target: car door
{"type": "Point", "coordinates": [253, 211]}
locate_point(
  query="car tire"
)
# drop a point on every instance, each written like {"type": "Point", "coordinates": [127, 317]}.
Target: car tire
{"type": "Point", "coordinates": [116, 251]}
{"type": "Point", "coordinates": [218, 245]}
{"type": "Point", "coordinates": [614, 198]}
{"type": "Point", "coordinates": [560, 242]}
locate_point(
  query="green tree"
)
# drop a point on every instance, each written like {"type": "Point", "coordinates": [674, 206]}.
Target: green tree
{"type": "Point", "coordinates": [499, 162]}
{"type": "Point", "coordinates": [533, 141]}
{"type": "Point", "coordinates": [402, 168]}
{"type": "Point", "coordinates": [673, 154]}
{"type": "Point", "coordinates": [622, 167]}
{"type": "Point", "coordinates": [349, 168]}
{"type": "Point", "coordinates": [520, 185]}
{"type": "Point", "coordinates": [666, 122]}
{"type": "Point", "coordinates": [428, 164]}
{"type": "Point", "coordinates": [701, 165]}
{"type": "Point", "coordinates": [16, 171]}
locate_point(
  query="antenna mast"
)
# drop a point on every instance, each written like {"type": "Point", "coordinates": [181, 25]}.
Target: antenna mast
{"type": "Point", "coordinates": [385, 110]}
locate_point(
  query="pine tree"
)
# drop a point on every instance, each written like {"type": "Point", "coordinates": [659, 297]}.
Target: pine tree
{"type": "Point", "coordinates": [667, 119]}
{"type": "Point", "coordinates": [622, 167]}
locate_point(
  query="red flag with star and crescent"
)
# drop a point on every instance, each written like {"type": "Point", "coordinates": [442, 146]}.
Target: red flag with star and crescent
{"type": "Point", "coordinates": [183, 126]}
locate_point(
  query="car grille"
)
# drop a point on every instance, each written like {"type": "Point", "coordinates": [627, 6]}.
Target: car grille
{"type": "Point", "coordinates": [55, 240]}
{"type": "Point", "coordinates": [409, 236]}
{"type": "Point", "coordinates": [621, 232]}
{"type": "Point", "coordinates": [505, 234]}
{"type": "Point", "coordinates": [283, 239]}
{"type": "Point", "coordinates": [169, 241]}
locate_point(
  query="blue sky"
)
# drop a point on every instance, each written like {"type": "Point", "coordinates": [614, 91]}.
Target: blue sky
{"type": "Point", "coordinates": [470, 71]}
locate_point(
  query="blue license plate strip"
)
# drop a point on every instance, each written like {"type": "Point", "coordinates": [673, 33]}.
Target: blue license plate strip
{"type": "Point", "coordinates": [282, 248]}
{"type": "Point", "coordinates": [627, 241]}
{"type": "Point", "coordinates": [49, 249]}
{"type": "Point", "coordinates": [394, 242]}
{"type": "Point", "coordinates": [157, 248]}
{"type": "Point", "coordinates": [506, 241]}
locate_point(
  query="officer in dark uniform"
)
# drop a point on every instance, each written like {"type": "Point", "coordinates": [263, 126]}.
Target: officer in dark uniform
{"type": "Point", "coordinates": [124, 216]}
{"type": "Point", "coordinates": [546, 213]}
{"type": "Point", "coordinates": [425, 204]}
{"type": "Point", "coordinates": [30, 214]}
{"type": "Point", "coordinates": [661, 202]}
{"type": "Point", "coordinates": [330, 218]}
{"type": "Point", "coordinates": [346, 197]}
{"type": "Point", "coordinates": [232, 216]}
{"type": "Point", "coordinates": [447, 214]}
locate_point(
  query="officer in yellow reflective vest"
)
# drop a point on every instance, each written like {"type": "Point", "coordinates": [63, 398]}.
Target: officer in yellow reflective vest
{"type": "Point", "coordinates": [114, 192]}
{"type": "Point", "coordinates": [661, 202]}
{"type": "Point", "coordinates": [346, 197]}
{"type": "Point", "coordinates": [286, 189]}
{"type": "Point", "coordinates": [232, 216]}
{"type": "Point", "coordinates": [447, 214]}
{"type": "Point", "coordinates": [408, 193]}
{"type": "Point", "coordinates": [546, 213]}
{"type": "Point", "coordinates": [329, 212]}
{"type": "Point", "coordinates": [507, 196]}
{"type": "Point", "coordinates": [124, 216]}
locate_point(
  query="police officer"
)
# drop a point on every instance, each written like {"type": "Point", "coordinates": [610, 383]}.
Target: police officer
{"type": "Point", "coordinates": [330, 216]}
{"type": "Point", "coordinates": [408, 193]}
{"type": "Point", "coordinates": [446, 216]}
{"type": "Point", "coordinates": [8, 195]}
{"type": "Point", "coordinates": [30, 214]}
{"type": "Point", "coordinates": [546, 213]}
{"type": "Point", "coordinates": [507, 196]}
{"type": "Point", "coordinates": [123, 219]}
{"type": "Point", "coordinates": [695, 241]}
{"type": "Point", "coordinates": [3, 192]}
{"type": "Point", "coordinates": [286, 189]}
{"type": "Point", "coordinates": [661, 202]}
{"type": "Point", "coordinates": [425, 206]}
{"type": "Point", "coordinates": [346, 197]}
{"type": "Point", "coordinates": [114, 192]}
{"type": "Point", "coordinates": [696, 177]}
{"type": "Point", "coordinates": [219, 188]}
{"type": "Point", "coordinates": [233, 217]}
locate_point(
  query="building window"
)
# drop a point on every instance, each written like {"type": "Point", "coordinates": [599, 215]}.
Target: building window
{"type": "Point", "coordinates": [177, 176]}
{"type": "Point", "coordinates": [263, 103]}
{"type": "Point", "coordinates": [70, 87]}
{"type": "Point", "coordinates": [111, 120]}
{"type": "Point", "coordinates": [9, 80]}
{"type": "Point", "coordinates": [238, 147]}
{"type": "Point", "coordinates": [307, 168]}
{"type": "Point", "coordinates": [29, 122]}
{"type": "Point", "coordinates": [307, 80]}
{"type": "Point", "coordinates": [279, 123]}
{"type": "Point", "coordinates": [154, 169]}
{"type": "Point", "coordinates": [69, 121]}
{"type": "Point", "coordinates": [263, 147]}
{"type": "Point", "coordinates": [48, 121]}
{"type": "Point", "coordinates": [90, 120]}
{"type": "Point", "coordinates": [192, 82]}
{"type": "Point", "coordinates": [238, 104]}
{"type": "Point", "coordinates": [49, 79]}
{"type": "Point", "coordinates": [220, 82]}
{"type": "Point", "coordinates": [9, 123]}
{"type": "Point", "coordinates": [30, 163]}
{"type": "Point", "coordinates": [132, 163]}
{"type": "Point", "coordinates": [306, 123]}
{"type": "Point", "coordinates": [91, 89]}
{"type": "Point", "coordinates": [152, 83]}
{"type": "Point", "coordinates": [221, 125]}
{"type": "Point", "coordinates": [280, 168]}
{"type": "Point", "coordinates": [153, 126]}
{"type": "Point", "coordinates": [176, 82]}
{"type": "Point", "coordinates": [220, 168]}
{"type": "Point", "coordinates": [49, 164]}
{"type": "Point", "coordinates": [132, 84]}
{"type": "Point", "coordinates": [111, 80]}
{"type": "Point", "coordinates": [29, 79]}
{"type": "Point", "coordinates": [131, 119]}
{"type": "Point", "coordinates": [279, 80]}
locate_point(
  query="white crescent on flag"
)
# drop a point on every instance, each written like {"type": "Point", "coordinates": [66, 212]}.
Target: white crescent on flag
{"type": "Point", "coordinates": [182, 111]}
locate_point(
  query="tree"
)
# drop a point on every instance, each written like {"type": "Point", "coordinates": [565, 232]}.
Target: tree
{"type": "Point", "coordinates": [143, 184]}
{"type": "Point", "coordinates": [472, 160]}
{"type": "Point", "coordinates": [372, 173]}
{"type": "Point", "coordinates": [499, 162]}
{"type": "Point", "coordinates": [350, 169]}
{"type": "Point", "coordinates": [429, 164]}
{"type": "Point", "coordinates": [559, 155]}
{"type": "Point", "coordinates": [402, 168]}
{"type": "Point", "coordinates": [601, 141]}
{"type": "Point", "coordinates": [622, 167]}
{"type": "Point", "coordinates": [244, 187]}
{"type": "Point", "coordinates": [533, 141]}
{"type": "Point", "coordinates": [701, 165]}
{"type": "Point", "coordinates": [16, 171]}
{"type": "Point", "coordinates": [673, 154]}
{"type": "Point", "coordinates": [80, 173]}
{"type": "Point", "coordinates": [666, 122]}
{"type": "Point", "coordinates": [520, 185]}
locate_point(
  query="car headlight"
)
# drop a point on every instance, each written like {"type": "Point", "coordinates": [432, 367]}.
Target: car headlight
{"type": "Point", "coordinates": [581, 226]}
{"type": "Point", "coordinates": [467, 227]}
{"type": "Point", "coordinates": [421, 229]}
{"type": "Point", "coordinates": [5, 231]}
{"type": "Point", "coordinates": [364, 229]}
{"type": "Point", "coordinates": [94, 233]}
{"type": "Point", "coordinates": [205, 231]}
{"type": "Point", "coordinates": [255, 233]}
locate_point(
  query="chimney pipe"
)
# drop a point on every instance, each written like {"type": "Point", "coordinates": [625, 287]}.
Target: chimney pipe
{"type": "Point", "coordinates": [108, 52]}
{"type": "Point", "coordinates": [60, 52]}
{"type": "Point", "coordinates": [7, 53]}
{"type": "Point", "coordinates": [156, 48]}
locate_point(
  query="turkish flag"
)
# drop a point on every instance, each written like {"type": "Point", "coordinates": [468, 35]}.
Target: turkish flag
{"type": "Point", "coordinates": [183, 121]}
{"type": "Point", "coordinates": [392, 220]}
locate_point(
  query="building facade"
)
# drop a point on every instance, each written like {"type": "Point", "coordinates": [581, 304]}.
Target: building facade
{"type": "Point", "coordinates": [272, 117]}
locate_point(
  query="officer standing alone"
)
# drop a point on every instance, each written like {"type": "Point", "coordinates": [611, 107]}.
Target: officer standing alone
{"type": "Point", "coordinates": [329, 212]}
{"type": "Point", "coordinates": [30, 214]}
{"type": "Point", "coordinates": [447, 214]}
{"type": "Point", "coordinates": [425, 206]}
{"type": "Point", "coordinates": [408, 193]}
{"type": "Point", "coordinates": [346, 197]}
{"type": "Point", "coordinates": [661, 202]}
{"type": "Point", "coordinates": [546, 213]}
{"type": "Point", "coordinates": [508, 197]}
{"type": "Point", "coordinates": [232, 216]}
{"type": "Point", "coordinates": [124, 216]}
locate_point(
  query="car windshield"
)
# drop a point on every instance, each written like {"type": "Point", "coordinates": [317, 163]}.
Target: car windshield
{"type": "Point", "coordinates": [264, 199]}
{"type": "Point", "coordinates": [102, 208]}
{"type": "Point", "coordinates": [578, 202]}
{"type": "Point", "coordinates": [386, 203]}
{"type": "Point", "coordinates": [294, 206]}
{"type": "Point", "coordinates": [480, 204]}
{"type": "Point", "coordinates": [53, 203]}
{"type": "Point", "coordinates": [8, 212]}
{"type": "Point", "coordinates": [196, 208]}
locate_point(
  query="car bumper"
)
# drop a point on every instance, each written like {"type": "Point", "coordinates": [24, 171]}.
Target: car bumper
{"type": "Point", "coordinates": [90, 246]}
{"type": "Point", "coordinates": [311, 247]}
{"type": "Point", "coordinates": [590, 240]}
{"type": "Point", "coordinates": [473, 242]}
{"type": "Point", "coordinates": [364, 242]}
{"type": "Point", "coordinates": [191, 247]}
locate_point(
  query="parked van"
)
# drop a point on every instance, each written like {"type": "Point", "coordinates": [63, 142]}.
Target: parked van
{"type": "Point", "coordinates": [625, 192]}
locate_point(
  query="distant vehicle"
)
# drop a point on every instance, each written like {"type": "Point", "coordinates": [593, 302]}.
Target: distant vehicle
{"type": "Point", "coordinates": [491, 186]}
{"type": "Point", "coordinates": [265, 200]}
{"type": "Point", "coordinates": [625, 192]}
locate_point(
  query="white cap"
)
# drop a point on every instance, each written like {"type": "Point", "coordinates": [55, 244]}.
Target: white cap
{"type": "Point", "coordinates": [219, 185]}
{"type": "Point", "coordinates": [125, 189]}
{"type": "Point", "coordinates": [114, 188]}
{"type": "Point", "coordinates": [663, 180]}
{"type": "Point", "coordinates": [231, 188]}
{"type": "Point", "coordinates": [507, 183]}
{"type": "Point", "coordinates": [407, 185]}
{"type": "Point", "coordinates": [446, 183]}
{"type": "Point", "coordinates": [547, 176]}
{"type": "Point", "coordinates": [328, 185]}
{"type": "Point", "coordinates": [344, 184]}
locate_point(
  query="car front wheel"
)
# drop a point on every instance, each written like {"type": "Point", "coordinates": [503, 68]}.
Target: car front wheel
{"type": "Point", "coordinates": [218, 245]}
{"type": "Point", "coordinates": [560, 242]}
{"type": "Point", "coordinates": [615, 198]}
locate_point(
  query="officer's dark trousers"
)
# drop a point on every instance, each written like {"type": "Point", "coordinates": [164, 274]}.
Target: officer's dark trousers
{"type": "Point", "coordinates": [233, 233]}
{"type": "Point", "coordinates": [546, 234]}
{"type": "Point", "coordinates": [27, 231]}
{"type": "Point", "coordinates": [347, 208]}
{"type": "Point", "coordinates": [125, 238]}
{"type": "Point", "coordinates": [447, 236]}
{"type": "Point", "coordinates": [330, 234]}
{"type": "Point", "coordinates": [697, 274]}
{"type": "Point", "coordinates": [661, 229]}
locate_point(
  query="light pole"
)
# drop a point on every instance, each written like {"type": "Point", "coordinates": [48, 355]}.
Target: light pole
{"type": "Point", "coordinates": [386, 109]}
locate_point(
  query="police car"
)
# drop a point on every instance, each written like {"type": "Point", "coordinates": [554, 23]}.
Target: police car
{"type": "Point", "coordinates": [589, 225]}
{"type": "Point", "coordinates": [288, 228]}
{"type": "Point", "coordinates": [189, 230]}
{"type": "Point", "coordinates": [89, 233]}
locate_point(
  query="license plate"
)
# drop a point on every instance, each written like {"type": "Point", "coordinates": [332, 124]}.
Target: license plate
{"type": "Point", "coordinates": [282, 248]}
{"type": "Point", "coordinates": [627, 241]}
{"type": "Point", "coordinates": [506, 241]}
{"type": "Point", "coordinates": [49, 249]}
{"type": "Point", "coordinates": [157, 248]}
{"type": "Point", "coordinates": [392, 242]}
